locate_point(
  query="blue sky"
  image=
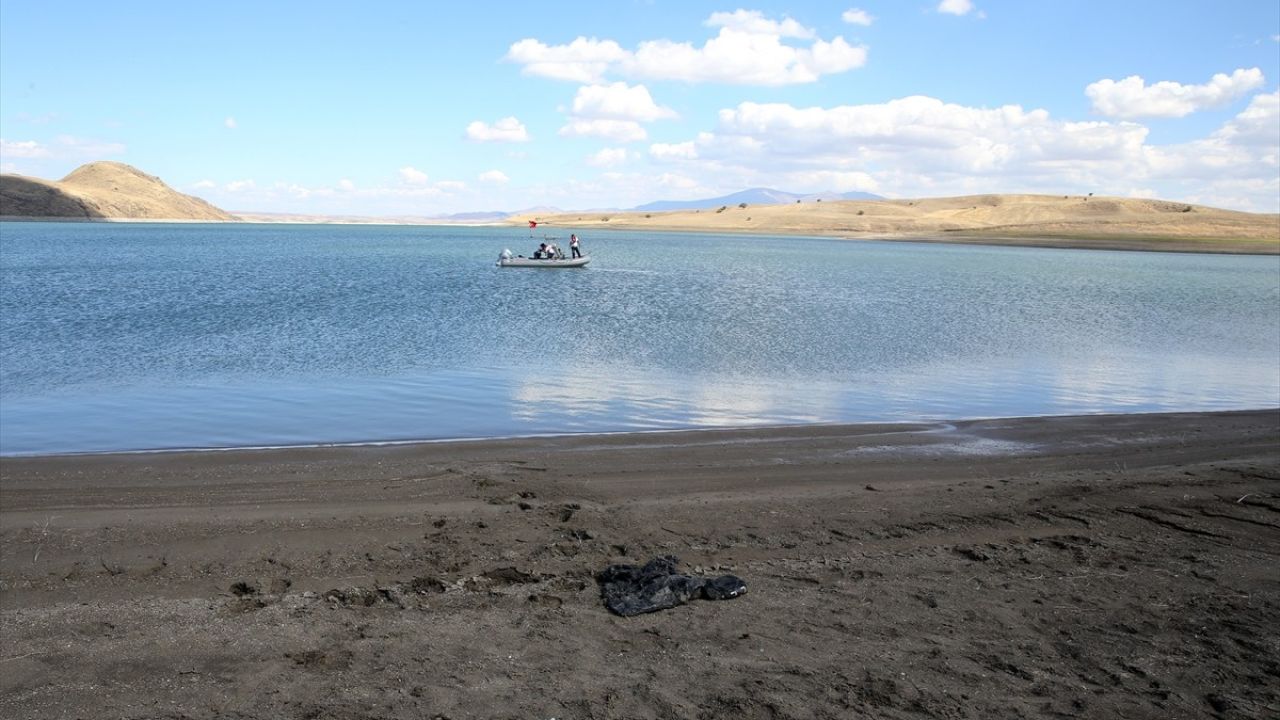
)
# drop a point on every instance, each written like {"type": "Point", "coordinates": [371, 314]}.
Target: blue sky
{"type": "Point", "coordinates": [409, 108]}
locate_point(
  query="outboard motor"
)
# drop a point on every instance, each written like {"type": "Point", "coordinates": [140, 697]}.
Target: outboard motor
{"type": "Point", "coordinates": [505, 254]}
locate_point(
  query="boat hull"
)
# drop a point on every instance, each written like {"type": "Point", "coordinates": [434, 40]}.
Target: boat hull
{"type": "Point", "coordinates": [531, 263]}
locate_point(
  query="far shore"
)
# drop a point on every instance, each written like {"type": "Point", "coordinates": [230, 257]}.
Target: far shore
{"type": "Point", "coordinates": [1071, 222]}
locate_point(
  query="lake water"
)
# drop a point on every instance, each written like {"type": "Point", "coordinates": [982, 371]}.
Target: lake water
{"type": "Point", "coordinates": [147, 336]}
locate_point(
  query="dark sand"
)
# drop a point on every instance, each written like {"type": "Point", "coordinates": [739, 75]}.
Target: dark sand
{"type": "Point", "coordinates": [1101, 567]}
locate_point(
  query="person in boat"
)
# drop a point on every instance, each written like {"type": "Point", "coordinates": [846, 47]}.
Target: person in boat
{"type": "Point", "coordinates": [573, 246]}
{"type": "Point", "coordinates": [553, 252]}
{"type": "Point", "coordinates": [541, 252]}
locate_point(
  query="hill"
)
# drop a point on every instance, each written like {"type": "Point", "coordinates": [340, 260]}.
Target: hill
{"type": "Point", "coordinates": [754, 196]}
{"type": "Point", "coordinates": [1046, 220]}
{"type": "Point", "coordinates": [103, 191]}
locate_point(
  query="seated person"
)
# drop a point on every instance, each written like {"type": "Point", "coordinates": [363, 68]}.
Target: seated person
{"type": "Point", "coordinates": [541, 252]}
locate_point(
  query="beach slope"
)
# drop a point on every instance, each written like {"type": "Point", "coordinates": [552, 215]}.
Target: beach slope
{"type": "Point", "coordinates": [1113, 566]}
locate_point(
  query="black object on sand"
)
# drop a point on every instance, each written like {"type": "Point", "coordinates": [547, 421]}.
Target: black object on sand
{"type": "Point", "coordinates": [632, 589]}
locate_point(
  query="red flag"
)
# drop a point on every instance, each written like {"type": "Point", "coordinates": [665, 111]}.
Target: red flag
{"type": "Point", "coordinates": [533, 223]}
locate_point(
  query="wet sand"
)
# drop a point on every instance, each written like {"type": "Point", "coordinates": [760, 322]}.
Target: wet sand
{"type": "Point", "coordinates": [1108, 566]}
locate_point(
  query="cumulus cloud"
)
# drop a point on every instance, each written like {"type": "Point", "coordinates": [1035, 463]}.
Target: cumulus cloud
{"type": "Point", "coordinates": [496, 177]}
{"type": "Point", "coordinates": [618, 101]}
{"type": "Point", "coordinates": [607, 157]}
{"type": "Point", "coordinates": [236, 186]}
{"type": "Point", "coordinates": [1133, 98]}
{"type": "Point", "coordinates": [755, 23]}
{"type": "Point", "coordinates": [508, 129]}
{"type": "Point", "coordinates": [615, 130]}
{"type": "Point", "coordinates": [205, 185]}
{"type": "Point", "coordinates": [955, 7]}
{"type": "Point", "coordinates": [583, 60]}
{"type": "Point", "coordinates": [346, 185]}
{"type": "Point", "coordinates": [749, 49]}
{"type": "Point", "coordinates": [412, 176]}
{"type": "Point", "coordinates": [924, 146]}
{"type": "Point", "coordinates": [856, 16]}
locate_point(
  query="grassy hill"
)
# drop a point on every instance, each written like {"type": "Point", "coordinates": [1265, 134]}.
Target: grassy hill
{"type": "Point", "coordinates": [1048, 220]}
{"type": "Point", "coordinates": [104, 191]}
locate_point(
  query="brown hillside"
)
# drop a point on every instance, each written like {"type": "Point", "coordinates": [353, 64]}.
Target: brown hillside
{"type": "Point", "coordinates": [104, 190]}
{"type": "Point", "coordinates": [1051, 220]}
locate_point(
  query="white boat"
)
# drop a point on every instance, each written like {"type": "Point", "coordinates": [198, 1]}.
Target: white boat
{"type": "Point", "coordinates": [506, 259]}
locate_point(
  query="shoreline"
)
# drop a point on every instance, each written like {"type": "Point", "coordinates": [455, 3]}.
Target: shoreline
{"type": "Point", "coordinates": [556, 436]}
{"type": "Point", "coordinates": [981, 568]}
{"type": "Point", "coordinates": [1003, 237]}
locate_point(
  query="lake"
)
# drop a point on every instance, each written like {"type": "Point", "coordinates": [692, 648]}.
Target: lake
{"type": "Point", "coordinates": [122, 336]}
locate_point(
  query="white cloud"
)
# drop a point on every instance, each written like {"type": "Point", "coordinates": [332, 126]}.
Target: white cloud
{"type": "Point", "coordinates": [204, 185]}
{"type": "Point", "coordinates": [496, 177]}
{"type": "Point", "coordinates": [607, 157]}
{"type": "Point", "coordinates": [412, 176]}
{"type": "Point", "coordinates": [748, 50]}
{"type": "Point", "coordinates": [921, 146]}
{"type": "Point", "coordinates": [739, 58]}
{"type": "Point", "coordinates": [346, 185]}
{"type": "Point", "coordinates": [1133, 98]}
{"type": "Point", "coordinates": [508, 129]}
{"type": "Point", "coordinates": [236, 186]}
{"type": "Point", "coordinates": [583, 60]}
{"type": "Point", "coordinates": [1256, 125]}
{"type": "Point", "coordinates": [22, 149]}
{"type": "Point", "coordinates": [615, 130]}
{"type": "Point", "coordinates": [673, 151]}
{"type": "Point", "coordinates": [230, 122]}
{"type": "Point", "coordinates": [955, 7]}
{"type": "Point", "coordinates": [754, 22]}
{"type": "Point", "coordinates": [618, 101]}
{"type": "Point", "coordinates": [856, 16]}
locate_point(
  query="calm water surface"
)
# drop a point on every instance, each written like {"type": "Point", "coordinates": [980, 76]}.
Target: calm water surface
{"type": "Point", "coordinates": [144, 336]}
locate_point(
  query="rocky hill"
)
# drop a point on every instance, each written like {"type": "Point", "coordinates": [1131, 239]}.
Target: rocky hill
{"type": "Point", "coordinates": [104, 191]}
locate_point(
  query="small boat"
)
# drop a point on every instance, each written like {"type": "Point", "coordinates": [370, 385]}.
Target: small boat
{"type": "Point", "coordinates": [506, 259]}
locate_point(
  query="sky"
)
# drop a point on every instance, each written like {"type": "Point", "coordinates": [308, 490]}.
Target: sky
{"type": "Point", "coordinates": [421, 108]}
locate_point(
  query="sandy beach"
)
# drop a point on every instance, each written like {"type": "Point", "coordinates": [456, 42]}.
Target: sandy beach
{"type": "Point", "coordinates": [1108, 566]}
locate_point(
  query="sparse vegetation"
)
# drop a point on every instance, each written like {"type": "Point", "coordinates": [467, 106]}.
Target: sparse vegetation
{"type": "Point", "coordinates": [742, 205]}
{"type": "Point", "coordinates": [722, 208]}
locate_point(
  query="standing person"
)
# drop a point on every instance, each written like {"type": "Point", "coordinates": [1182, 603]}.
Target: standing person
{"type": "Point", "coordinates": [573, 245]}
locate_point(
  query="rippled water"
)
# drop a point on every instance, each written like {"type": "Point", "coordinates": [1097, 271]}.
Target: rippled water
{"type": "Point", "coordinates": [137, 336]}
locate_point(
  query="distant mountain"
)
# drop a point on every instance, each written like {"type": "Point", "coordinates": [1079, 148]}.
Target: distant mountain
{"type": "Point", "coordinates": [754, 196]}
{"type": "Point", "coordinates": [102, 190]}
